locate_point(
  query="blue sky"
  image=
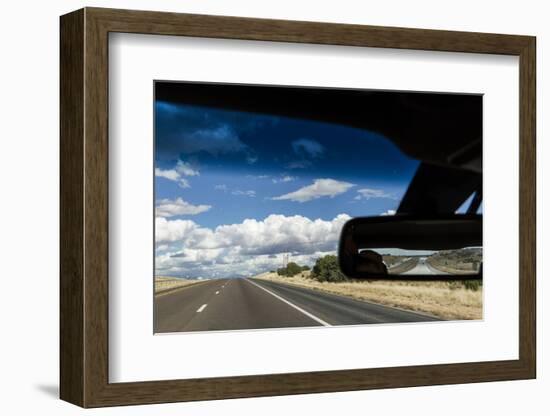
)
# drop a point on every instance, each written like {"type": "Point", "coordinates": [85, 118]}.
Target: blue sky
{"type": "Point", "coordinates": [230, 184]}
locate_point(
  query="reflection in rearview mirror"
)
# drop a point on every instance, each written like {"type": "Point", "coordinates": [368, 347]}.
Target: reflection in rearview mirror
{"type": "Point", "coordinates": [446, 248]}
{"type": "Point", "coordinates": [465, 261]}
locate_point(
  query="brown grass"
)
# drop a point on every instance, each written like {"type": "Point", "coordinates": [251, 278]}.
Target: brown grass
{"type": "Point", "coordinates": [441, 299]}
{"type": "Point", "coordinates": [163, 283]}
{"type": "Point", "coordinates": [449, 269]}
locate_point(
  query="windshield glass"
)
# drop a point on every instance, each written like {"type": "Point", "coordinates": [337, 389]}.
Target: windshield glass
{"type": "Point", "coordinates": [240, 193]}
{"type": "Point", "coordinates": [257, 194]}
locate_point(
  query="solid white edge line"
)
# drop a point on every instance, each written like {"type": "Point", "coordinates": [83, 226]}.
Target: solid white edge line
{"type": "Point", "coordinates": [202, 308]}
{"type": "Point", "coordinates": [291, 304]}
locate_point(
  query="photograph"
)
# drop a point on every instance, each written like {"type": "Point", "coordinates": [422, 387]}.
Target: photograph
{"type": "Point", "coordinates": [294, 207]}
{"type": "Point", "coordinates": [311, 209]}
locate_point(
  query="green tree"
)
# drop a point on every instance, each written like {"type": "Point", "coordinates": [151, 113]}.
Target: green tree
{"type": "Point", "coordinates": [327, 269]}
{"type": "Point", "coordinates": [292, 269]}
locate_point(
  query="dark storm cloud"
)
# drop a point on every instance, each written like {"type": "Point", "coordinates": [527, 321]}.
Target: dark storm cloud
{"type": "Point", "coordinates": [187, 130]}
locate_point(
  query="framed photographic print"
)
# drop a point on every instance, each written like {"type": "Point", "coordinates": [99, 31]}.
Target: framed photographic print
{"type": "Point", "coordinates": [259, 207]}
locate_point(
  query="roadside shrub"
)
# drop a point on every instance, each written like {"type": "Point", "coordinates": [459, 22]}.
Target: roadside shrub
{"type": "Point", "coordinates": [291, 269]}
{"type": "Point", "coordinates": [326, 269]}
{"type": "Point", "coordinates": [472, 284]}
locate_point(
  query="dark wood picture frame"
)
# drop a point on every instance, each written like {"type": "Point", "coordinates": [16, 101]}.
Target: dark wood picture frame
{"type": "Point", "coordinates": [84, 207]}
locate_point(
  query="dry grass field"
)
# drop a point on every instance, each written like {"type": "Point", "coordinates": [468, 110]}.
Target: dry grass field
{"type": "Point", "coordinates": [463, 261]}
{"type": "Point", "coordinates": [441, 299]}
{"type": "Point", "coordinates": [163, 284]}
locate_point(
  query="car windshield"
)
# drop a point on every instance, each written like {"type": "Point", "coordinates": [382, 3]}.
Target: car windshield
{"type": "Point", "coordinates": [272, 204]}
{"type": "Point", "coordinates": [239, 193]}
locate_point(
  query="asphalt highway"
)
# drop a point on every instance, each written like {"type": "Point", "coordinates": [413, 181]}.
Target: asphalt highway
{"type": "Point", "coordinates": [423, 268]}
{"type": "Point", "coordinates": [231, 304]}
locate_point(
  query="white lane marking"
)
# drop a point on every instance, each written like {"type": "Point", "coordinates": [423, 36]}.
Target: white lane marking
{"type": "Point", "coordinates": [291, 304]}
{"type": "Point", "coordinates": [217, 292]}
{"type": "Point", "coordinates": [201, 308]}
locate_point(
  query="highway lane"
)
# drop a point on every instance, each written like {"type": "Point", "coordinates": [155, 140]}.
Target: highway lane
{"type": "Point", "coordinates": [224, 304]}
{"type": "Point", "coordinates": [423, 268]}
{"type": "Point", "coordinates": [229, 304]}
{"type": "Point", "coordinates": [342, 310]}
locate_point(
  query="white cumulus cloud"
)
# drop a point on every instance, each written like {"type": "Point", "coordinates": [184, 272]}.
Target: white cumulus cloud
{"type": "Point", "coordinates": [169, 174]}
{"type": "Point", "coordinates": [319, 188]}
{"type": "Point", "coordinates": [388, 212]}
{"type": "Point", "coordinates": [184, 183]}
{"type": "Point", "coordinates": [177, 174]}
{"type": "Point", "coordinates": [280, 233]}
{"type": "Point", "coordinates": [368, 193]}
{"type": "Point", "coordinates": [286, 178]}
{"type": "Point", "coordinates": [249, 193]}
{"type": "Point", "coordinates": [245, 248]}
{"type": "Point", "coordinates": [170, 231]}
{"type": "Point", "coordinates": [185, 169]}
{"type": "Point", "coordinates": [171, 208]}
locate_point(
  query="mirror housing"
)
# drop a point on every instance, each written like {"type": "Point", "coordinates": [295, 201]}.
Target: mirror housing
{"type": "Point", "coordinates": [411, 247]}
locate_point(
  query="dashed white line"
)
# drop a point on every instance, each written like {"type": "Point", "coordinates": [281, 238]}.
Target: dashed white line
{"type": "Point", "coordinates": [291, 304]}
{"type": "Point", "coordinates": [217, 292]}
{"type": "Point", "coordinates": [202, 308]}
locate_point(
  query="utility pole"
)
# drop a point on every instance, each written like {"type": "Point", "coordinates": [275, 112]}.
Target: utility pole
{"type": "Point", "coordinates": [285, 259]}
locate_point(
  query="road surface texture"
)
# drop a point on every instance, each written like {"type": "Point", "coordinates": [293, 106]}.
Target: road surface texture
{"type": "Point", "coordinates": [423, 268]}
{"type": "Point", "coordinates": [229, 304]}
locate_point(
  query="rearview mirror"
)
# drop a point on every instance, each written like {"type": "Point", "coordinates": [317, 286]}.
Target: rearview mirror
{"type": "Point", "coordinates": [404, 247]}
